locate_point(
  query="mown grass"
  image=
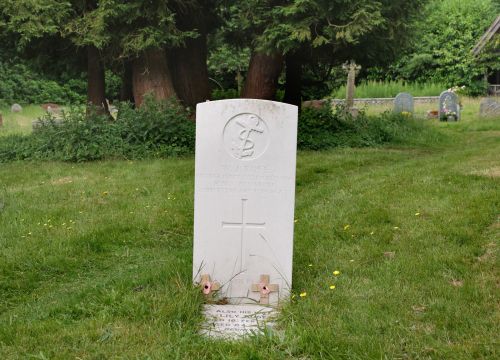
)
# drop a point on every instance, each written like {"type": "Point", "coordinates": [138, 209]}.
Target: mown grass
{"type": "Point", "coordinates": [384, 89]}
{"type": "Point", "coordinates": [95, 258]}
{"type": "Point", "coordinates": [469, 109]}
{"type": "Point", "coordinates": [19, 123]}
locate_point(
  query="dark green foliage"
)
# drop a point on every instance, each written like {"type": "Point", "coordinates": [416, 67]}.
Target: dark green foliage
{"type": "Point", "coordinates": [322, 129]}
{"type": "Point", "coordinates": [18, 83]}
{"type": "Point", "coordinates": [154, 130]}
{"type": "Point", "coordinates": [441, 49]}
{"type": "Point", "coordinates": [163, 129]}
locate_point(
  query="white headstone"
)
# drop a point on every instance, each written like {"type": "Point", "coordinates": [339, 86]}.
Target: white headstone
{"type": "Point", "coordinates": [244, 199]}
{"type": "Point", "coordinates": [15, 108]}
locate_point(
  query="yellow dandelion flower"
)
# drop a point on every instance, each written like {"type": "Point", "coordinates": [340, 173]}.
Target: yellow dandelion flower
{"type": "Point", "coordinates": [336, 273]}
{"type": "Point", "coordinates": [417, 214]}
{"type": "Point", "coordinates": [332, 287]}
{"type": "Point", "coordinates": [346, 227]}
{"type": "Point", "coordinates": [303, 294]}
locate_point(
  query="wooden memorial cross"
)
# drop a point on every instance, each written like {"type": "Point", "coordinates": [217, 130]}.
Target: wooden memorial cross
{"type": "Point", "coordinates": [265, 289]}
{"type": "Point", "coordinates": [208, 286]}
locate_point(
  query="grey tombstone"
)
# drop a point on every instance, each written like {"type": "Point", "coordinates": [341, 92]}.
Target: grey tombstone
{"type": "Point", "coordinates": [490, 107]}
{"type": "Point", "coordinates": [16, 108]}
{"type": "Point", "coordinates": [449, 104]}
{"type": "Point", "coordinates": [403, 102]}
{"type": "Point", "coordinates": [244, 211]}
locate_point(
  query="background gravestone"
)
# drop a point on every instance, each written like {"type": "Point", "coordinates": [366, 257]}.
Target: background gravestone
{"type": "Point", "coordinates": [244, 208]}
{"type": "Point", "coordinates": [448, 102]}
{"type": "Point", "coordinates": [403, 102]}
{"type": "Point", "coordinates": [16, 108]}
{"type": "Point", "coordinates": [490, 107]}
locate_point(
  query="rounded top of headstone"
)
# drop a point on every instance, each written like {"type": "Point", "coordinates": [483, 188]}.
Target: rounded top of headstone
{"type": "Point", "coordinates": [448, 93]}
{"type": "Point", "coordinates": [15, 108]}
{"type": "Point", "coordinates": [404, 95]}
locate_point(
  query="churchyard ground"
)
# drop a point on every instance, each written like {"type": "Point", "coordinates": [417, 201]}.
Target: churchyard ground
{"type": "Point", "coordinates": [95, 258]}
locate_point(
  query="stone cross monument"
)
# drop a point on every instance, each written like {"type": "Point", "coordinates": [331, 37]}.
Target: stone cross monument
{"type": "Point", "coordinates": [352, 70]}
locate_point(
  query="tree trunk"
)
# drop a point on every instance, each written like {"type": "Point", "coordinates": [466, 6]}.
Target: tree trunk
{"type": "Point", "coordinates": [150, 74]}
{"type": "Point", "coordinates": [96, 98]}
{"type": "Point", "coordinates": [293, 84]}
{"type": "Point", "coordinates": [262, 77]}
{"type": "Point", "coordinates": [189, 71]}
{"type": "Point", "coordinates": [126, 93]}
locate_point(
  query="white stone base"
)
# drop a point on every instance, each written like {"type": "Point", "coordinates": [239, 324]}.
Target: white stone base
{"type": "Point", "coordinates": [237, 321]}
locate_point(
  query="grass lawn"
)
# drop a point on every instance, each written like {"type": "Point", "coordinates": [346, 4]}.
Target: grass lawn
{"type": "Point", "coordinates": [95, 258]}
{"type": "Point", "coordinates": [19, 123]}
{"type": "Point", "coordinates": [469, 110]}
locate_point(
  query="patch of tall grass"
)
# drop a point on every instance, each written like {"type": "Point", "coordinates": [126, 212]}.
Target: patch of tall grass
{"type": "Point", "coordinates": [385, 89]}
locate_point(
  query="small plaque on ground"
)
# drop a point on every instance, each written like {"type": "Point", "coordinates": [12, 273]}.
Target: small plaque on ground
{"type": "Point", "coordinates": [237, 321]}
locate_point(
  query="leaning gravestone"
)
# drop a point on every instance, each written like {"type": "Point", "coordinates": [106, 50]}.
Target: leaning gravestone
{"type": "Point", "coordinates": [449, 107]}
{"type": "Point", "coordinates": [15, 108]}
{"type": "Point", "coordinates": [244, 211]}
{"type": "Point", "coordinates": [490, 107]}
{"type": "Point", "coordinates": [403, 102]}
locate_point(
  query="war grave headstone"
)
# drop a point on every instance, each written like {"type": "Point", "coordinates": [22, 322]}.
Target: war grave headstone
{"type": "Point", "coordinates": [403, 102]}
{"type": "Point", "coordinates": [244, 212]}
{"type": "Point", "coordinates": [490, 107]}
{"type": "Point", "coordinates": [449, 106]}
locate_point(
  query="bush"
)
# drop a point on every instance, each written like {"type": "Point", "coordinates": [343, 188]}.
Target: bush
{"type": "Point", "coordinates": [19, 84]}
{"type": "Point", "coordinates": [157, 129]}
{"type": "Point", "coordinates": [163, 129]}
{"type": "Point", "coordinates": [323, 128]}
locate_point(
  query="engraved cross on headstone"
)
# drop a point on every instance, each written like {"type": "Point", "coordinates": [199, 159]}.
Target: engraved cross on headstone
{"type": "Point", "coordinates": [242, 225]}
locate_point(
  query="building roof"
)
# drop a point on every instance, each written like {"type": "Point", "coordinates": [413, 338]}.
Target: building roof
{"type": "Point", "coordinates": [494, 28]}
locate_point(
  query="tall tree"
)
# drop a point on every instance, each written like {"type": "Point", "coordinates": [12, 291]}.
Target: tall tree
{"type": "Point", "coordinates": [188, 61]}
{"type": "Point", "coordinates": [33, 20]}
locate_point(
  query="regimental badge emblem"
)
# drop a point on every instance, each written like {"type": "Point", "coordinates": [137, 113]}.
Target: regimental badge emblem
{"type": "Point", "coordinates": [246, 136]}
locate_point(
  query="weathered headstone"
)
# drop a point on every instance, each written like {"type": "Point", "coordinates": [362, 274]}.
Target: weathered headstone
{"type": "Point", "coordinates": [403, 102]}
{"type": "Point", "coordinates": [490, 107]}
{"type": "Point", "coordinates": [15, 108]}
{"type": "Point", "coordinates": [449, 106]}
{"type": "Point", "coordinates": [244, 210]}
{"type": "Point", "coordinates": [352, 70]}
